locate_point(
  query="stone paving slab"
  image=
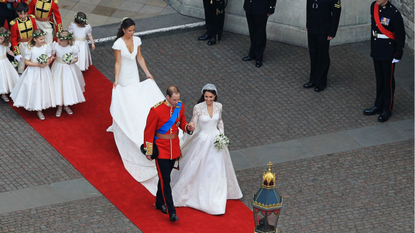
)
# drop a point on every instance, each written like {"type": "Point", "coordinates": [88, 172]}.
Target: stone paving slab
{"type": "Point", "coordinates": [375, 135]}
{"type": "Point", "coordinates": [330, 143]}
{"type": "Point", "coordinates": [404, 128]}
{"type": "Point", "coordinates": [75, 189]}
{"type": "Point", "coordinates": [9, 203]}
{"type": "Point", "coordinates": [37, 196]}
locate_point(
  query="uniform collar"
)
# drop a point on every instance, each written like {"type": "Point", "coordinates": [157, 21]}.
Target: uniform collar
{"type": "Point", "coordinates": [168, 104]}
{"type": "Point", "coordinates": [24, 20]}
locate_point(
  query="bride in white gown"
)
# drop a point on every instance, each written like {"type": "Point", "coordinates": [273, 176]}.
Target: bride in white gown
{"type": "Point", "coordinates": [206, 178]}
{"type": "Point", "coordinates": [130, 105]}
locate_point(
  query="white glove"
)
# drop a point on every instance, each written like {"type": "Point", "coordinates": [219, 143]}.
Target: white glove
{"type": "Point", "coordinates": [395, 60]}
{"type": "Point", "coordinates": [18, 57]}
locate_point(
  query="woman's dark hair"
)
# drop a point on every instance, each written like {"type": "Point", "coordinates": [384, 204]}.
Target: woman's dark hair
{"type": "Point", "coordinates": [81, 22]}
{"type": "Point", "coordinates": [202, 98]}
{"type": "Point", "coordinates": [22, 7]}
{"type": "Point", "coordinates": [126, 23]}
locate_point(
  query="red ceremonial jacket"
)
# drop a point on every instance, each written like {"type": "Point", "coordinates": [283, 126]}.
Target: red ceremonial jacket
{"type": "Point", "coordinates": [158, 116]}
{"type": "Point", "coordinates": [43, 9]}
{"type": "Point", "coordinates": [21, 30]}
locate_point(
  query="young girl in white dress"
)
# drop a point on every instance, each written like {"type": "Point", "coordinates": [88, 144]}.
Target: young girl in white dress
{"type": "Point", "coordinates": [34, 91]}
{"type": "Point", "coordinates": [8, 74]}
{"type": "Point", "coordinates": [66, 75]}
{"type": "Point", "coordinates": [206, 178]}
{"type": "Point", "coordinates": [130, 104]}
{"type": "Point", "coordinates": [81, 31]}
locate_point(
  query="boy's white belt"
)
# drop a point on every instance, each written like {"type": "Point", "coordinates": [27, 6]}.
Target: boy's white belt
{"type": "Point", "coordinates": [378, 35]}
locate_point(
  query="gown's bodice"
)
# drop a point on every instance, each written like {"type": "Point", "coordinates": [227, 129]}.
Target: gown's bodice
{"type": "Point", "coordinates": [129, 71]}
{"type": "Point", "coordinates": [80, 32]}
{"type": "Point", "coordinates": [34, 52]}
{"type": "Point", "coordinates": [208, 125]}
{"type": "Point", "coordinates": [60, 51]}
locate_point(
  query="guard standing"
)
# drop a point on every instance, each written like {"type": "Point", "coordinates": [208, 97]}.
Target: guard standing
{"type": "Point", "coordinates": [215, 18]}
{"type": "Point", "coordinates": [323, 18]}
{"type": "Point", "coordinates": [47, 13]}
{"type": "Point", "coordinates": [257, 13]}
{"type": "Point", "coordinates": [387, 44]}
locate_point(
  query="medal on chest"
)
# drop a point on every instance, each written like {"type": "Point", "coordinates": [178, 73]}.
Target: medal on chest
{"type": "Point", "coordinates": [385, 21]}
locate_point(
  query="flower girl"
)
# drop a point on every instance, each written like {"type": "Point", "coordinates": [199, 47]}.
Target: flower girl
{"type": "Point", "coordinates": [81, 30]}
{"type": "Point", "coordinates": [34, 90]}
{"type": "Point", "coordinates": [65, 73]}
{"type": "Point", "coordinates": [8, 74]}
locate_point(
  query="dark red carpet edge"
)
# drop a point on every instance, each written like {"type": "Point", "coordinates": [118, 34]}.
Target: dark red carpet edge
{"type": "Point", "coordinates": [82, 139]}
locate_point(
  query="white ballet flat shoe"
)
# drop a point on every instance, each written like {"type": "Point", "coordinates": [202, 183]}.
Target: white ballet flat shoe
{"type": "Point", "coordinates": [41, 116]}
{"type": "Point", "coordinates": [4, 97]}
{"type": "Point", "coordinates": [59, 112]}
{"type": "Point", "coordinates": [68, 110]}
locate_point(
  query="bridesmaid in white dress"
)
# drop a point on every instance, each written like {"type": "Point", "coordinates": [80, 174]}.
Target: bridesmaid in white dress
{"type": "Point", "coordinates": [130, 105]}
{"type": "Point", "coordinates": [8, 74]}
{"type": "Point", "coordinates": [206, 178]}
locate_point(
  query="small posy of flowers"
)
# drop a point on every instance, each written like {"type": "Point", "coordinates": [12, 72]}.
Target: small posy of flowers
{"type": "Point", "coordinates": [221, 141]}
{"type": "Point", "coordinates": [68, 58]}
{"type": "Point", "coordinates": [42, 59]}
{"type": "Point", "coordinates": [14, 63]}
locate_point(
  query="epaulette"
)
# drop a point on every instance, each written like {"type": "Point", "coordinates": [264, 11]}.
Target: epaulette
{"type": "Point", "coordinates": [158, 104]}
{"type": "Point", "coordinates": [12, 22]}
{"type": "Point", "coordinates": [56, 1]}
{"type": "Point", "coordinates": [32, 16]}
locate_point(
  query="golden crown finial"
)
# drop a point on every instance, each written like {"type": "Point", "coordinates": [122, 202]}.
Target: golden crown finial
{"type": "Point", "coordinates": [268, 179]}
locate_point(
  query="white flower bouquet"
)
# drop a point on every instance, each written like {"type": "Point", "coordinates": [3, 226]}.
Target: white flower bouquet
{"type": "Point", "coordinates": [14, 63]}
{"type": "Point", "coordinates": [42, 59]}
{"type": "Point", "coordinates": [221, 141]}
{"type": "Point", "coordinates": [68, 58]}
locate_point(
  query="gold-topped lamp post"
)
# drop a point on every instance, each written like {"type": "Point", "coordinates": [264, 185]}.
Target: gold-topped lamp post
{"type": "Point", "coordinates": [267, 203]}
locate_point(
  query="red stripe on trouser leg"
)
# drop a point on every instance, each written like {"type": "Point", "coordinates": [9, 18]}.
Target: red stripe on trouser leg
{"type": "Point", "coordinates": [161, 184]}
{"type": "Point", "coordinates": [390, 104]}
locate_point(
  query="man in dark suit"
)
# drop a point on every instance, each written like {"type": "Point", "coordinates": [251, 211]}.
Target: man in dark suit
{"type": "Point", "coordinates": [323, 18]}
{"type": "Point", "coordinates": [7, 11]}
{"type": "Point", "coordinates": [387, 44]}
{"type": "Point", "coordinates": [257, 13]}
{"type": "Point", "coordinates": [215, 18]}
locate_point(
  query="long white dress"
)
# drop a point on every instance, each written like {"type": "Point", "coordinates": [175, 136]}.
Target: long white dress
{"type": "Point", "coordinates": [206, 178]}
{"type": "Point", "coordinates": [34, 91]}
{"type": "Point", "coordinates": [130, 105]}
{"type": "Point", "coordinates": [81, 34]}
{"type": "Point", "coordinates": [66, 77]}
{"type": "Point", "coordinates": [8, 74]}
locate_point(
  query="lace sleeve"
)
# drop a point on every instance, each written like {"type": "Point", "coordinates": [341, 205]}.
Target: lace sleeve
{"type": "Point", "coordinates": [220, 122]}
{"type": "Point", "coordinates": [196, 113]}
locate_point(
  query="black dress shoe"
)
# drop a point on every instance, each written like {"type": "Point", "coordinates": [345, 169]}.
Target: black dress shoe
{"type": "Point", "coordinates": [212, 41]}
{"type": "Point", "coordinates": [248, 58]}
{"type": "Point", "coordinates": [372, 111]}
{"type": "Point", "coordinates": [318, 89]}
{"type": "Point", "coordinates": [204, 37]}
{"type": "Point", "coordinates": [384, 116]}
{"type": "Point", "coordinates": [163, 208]}
{"type": "Point", "coordinates": [173, 217]}
{"type": "Point", "coordinates": [309, 85]}
{"type": "Point", "coordinates": [258, 64]}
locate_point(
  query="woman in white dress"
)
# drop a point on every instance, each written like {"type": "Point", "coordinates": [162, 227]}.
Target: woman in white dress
{"type": "Point", "coordinates": [8, 74]}
{"type": "Point", "coordinates": [81, 31]}
{"type": "Point", "coordinates": [206, 178]}
{"type": "Point", "coordinates": [65, 75]}
{"type": "Point", "coordinates": [130, 105]}
{"type": "Point", "coordinates": [34, 91]}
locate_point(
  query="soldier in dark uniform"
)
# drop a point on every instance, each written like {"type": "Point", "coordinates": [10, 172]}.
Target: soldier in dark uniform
{"type": "Point", "coordinates": [323, 18]}
{"type": "Point", "coordinates": [387, 43]}
{"type": "Point", "coordinates": [257, 13]}
{"type": "Point", "coordinates": [215, 18]}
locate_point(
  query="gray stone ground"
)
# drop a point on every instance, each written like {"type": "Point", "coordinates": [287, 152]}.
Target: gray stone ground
{"type": "Point", "coordinates": [363, 190]}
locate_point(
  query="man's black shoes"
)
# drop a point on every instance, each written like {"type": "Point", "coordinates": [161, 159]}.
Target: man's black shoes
{"type": "Point", "coordinates": [204, 37]}
{"type": "Point", "coordinates": [163, 208]}
{"type": "Point", "coordinates": [372, 111]}
{"type": "Point", "coordinates": [318, 89]}
{"type": "Point", "coordinates": [258, 64]}
{"type": "Point", "coordinates": [174, 218]}
{"type": "Point", "coordinates": [248, 58]}
{"type": "Point", "coordinates": [384, 116]}
{"type": "Point", "coordinates": [309, 85]}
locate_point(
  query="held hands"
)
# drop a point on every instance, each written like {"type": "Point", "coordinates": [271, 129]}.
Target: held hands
{"type": "Point", "coordinates": [191, 127]}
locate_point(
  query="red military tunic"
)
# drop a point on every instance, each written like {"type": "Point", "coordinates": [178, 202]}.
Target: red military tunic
{"type": "Point", "coordinates": [21, 30]}
{"type": "Point", "coordinates": [158, 116]}
{"type": "Point", "coordinates": [43, 10]}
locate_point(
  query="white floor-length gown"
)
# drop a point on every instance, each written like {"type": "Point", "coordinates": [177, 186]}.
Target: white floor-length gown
{"type": "Point", "coordinates": [8, 74]}
{"type": "Point", "coordinates": [130, 105]}
{"type": "Point", "coordinates": [81, 34]}
{"type": "Point", "coordinates": [206, 178]}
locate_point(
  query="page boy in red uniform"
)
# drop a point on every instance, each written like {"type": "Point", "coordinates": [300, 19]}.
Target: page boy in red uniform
{"type": "Point", "coordinates": [47, 13]}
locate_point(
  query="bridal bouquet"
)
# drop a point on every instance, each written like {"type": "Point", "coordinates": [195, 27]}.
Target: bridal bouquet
{"type": "Point", "coordinates": [68, 58]}
{"type": "Point", "coordinates": [14, 63]}
{"type": "Point", "coordinates": [221, 141]}
{"type": "Point", "coordinates": [42, 59]}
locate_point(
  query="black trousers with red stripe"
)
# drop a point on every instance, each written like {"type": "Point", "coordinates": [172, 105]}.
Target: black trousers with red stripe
{"type": "Point", "coordinates": [385, 84]}
{"type": "Point", "coordinates": [163, 196]}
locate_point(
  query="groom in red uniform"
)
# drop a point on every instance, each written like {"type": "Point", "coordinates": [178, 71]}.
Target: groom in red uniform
{"type": "Point", "coordinates": [162, 127]}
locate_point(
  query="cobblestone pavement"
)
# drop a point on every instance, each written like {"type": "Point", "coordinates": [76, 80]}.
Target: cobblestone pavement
{"type": "Point", "coordinates": [366, 190]}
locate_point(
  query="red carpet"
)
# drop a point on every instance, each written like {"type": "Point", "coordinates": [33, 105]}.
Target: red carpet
{"type": "Point", "coordinates": [82, 139]}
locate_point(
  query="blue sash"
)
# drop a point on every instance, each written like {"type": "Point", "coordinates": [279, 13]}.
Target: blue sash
{"type": "Point", "coordinates": [163, 129]}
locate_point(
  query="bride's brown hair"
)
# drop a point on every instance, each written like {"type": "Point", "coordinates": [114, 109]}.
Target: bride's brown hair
{"type": "Point", "coordinates": [202, 98]}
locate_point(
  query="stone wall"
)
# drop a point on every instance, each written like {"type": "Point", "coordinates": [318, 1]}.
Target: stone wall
{"type": "Point", "coordinates": [406, 7]}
